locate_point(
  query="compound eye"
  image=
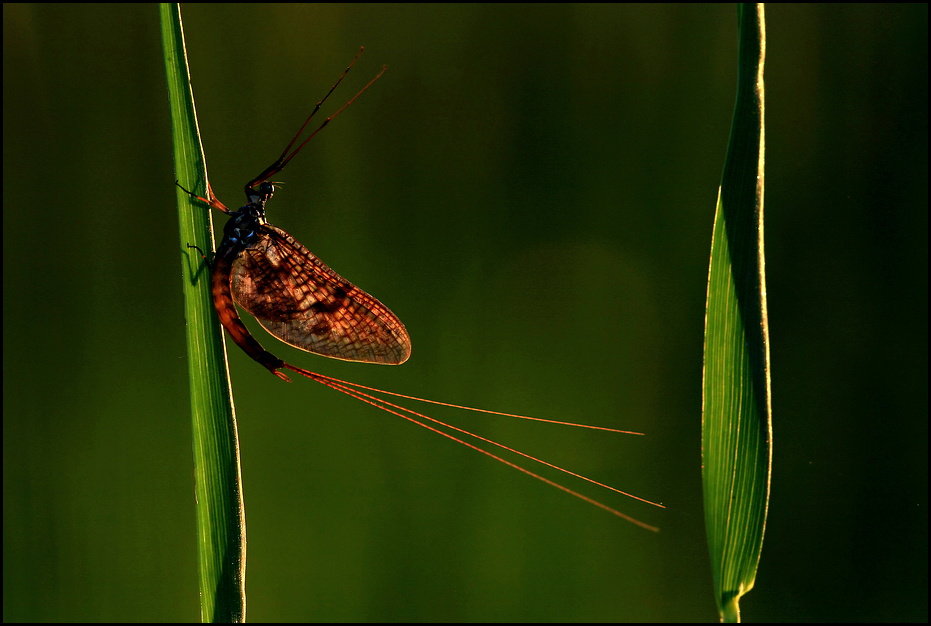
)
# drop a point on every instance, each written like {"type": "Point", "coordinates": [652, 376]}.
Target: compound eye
{"type": "Point", "coordinates": [267, 188]}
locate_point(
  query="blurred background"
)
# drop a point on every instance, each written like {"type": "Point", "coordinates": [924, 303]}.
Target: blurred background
{"type": "Point", "coordinates": [531, 190]}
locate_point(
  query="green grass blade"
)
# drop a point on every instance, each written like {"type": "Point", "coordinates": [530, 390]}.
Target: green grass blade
{"type": "Point", "coordinates": [221, 530]}
{"type": "Point", "coordinates": [736, 411]}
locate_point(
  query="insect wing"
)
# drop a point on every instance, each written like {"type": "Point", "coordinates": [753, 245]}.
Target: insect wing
{"type": "Point", "coordinates": [304, 303]}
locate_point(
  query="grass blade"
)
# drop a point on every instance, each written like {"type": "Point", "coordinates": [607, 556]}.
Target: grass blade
{"type": "Point", "coordinates": [736, 411]}
{"type": "Point", "coordinates": [221, 529]}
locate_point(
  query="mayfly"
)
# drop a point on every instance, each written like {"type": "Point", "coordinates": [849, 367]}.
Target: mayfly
{"type": "Point", "coordinates": [301, 301]}
{"type": "Point", "coordinates": [292, 293]}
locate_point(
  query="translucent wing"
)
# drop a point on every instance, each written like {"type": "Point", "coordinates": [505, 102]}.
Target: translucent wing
{"type": "Point", "coordinates": [300, 300]}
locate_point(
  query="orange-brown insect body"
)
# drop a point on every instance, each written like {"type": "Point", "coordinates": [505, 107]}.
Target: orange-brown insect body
{"type": "Point", "coordinates": [292, 293]}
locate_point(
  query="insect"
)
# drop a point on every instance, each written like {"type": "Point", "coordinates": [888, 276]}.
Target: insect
{"type": "Point", "coordinates": [292, 293]}
{"type": "Point", "coordinates": [301, 301]}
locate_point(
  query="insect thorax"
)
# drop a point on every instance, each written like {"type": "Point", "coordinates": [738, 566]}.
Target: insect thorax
{"type": "Point", "coordinates": [244, 225]}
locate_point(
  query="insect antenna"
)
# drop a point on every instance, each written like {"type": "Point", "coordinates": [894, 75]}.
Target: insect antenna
{"type": "Point", "coordinates": [285, 158]}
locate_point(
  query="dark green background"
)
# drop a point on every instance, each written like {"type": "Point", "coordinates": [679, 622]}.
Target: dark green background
{"type": "Point", "coordinates": [531, 189]}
